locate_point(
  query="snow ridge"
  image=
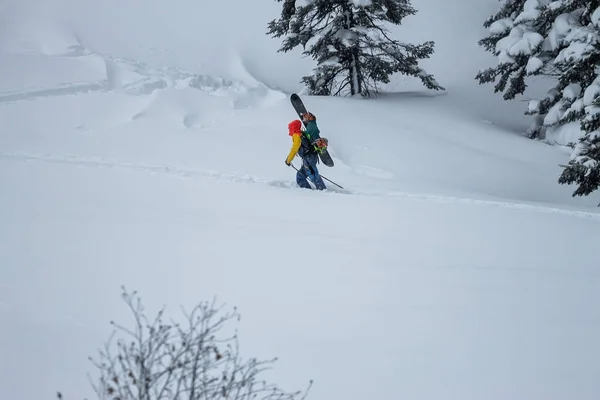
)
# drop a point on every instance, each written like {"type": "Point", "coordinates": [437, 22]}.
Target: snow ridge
{"type": "Point", "coordinates": [246, 178]}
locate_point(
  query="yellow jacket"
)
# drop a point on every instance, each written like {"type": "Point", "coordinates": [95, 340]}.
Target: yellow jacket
{"type": "Point", "coordinates": [296, 142]}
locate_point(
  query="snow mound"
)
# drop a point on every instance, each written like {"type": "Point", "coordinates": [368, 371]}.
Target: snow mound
{"type": "Point", "coordinates": [187, 106]}
{"type": "Point", "coordinates": [165, 93]}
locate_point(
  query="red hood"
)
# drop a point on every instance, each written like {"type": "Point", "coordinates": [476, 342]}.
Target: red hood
{"type": "Point", "coordinates": [295, 127]}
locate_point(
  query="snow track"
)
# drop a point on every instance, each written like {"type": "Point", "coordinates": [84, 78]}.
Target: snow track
{"type": "Point", "coordinates": [246, 178]}
{"type": "Point", "coordinates": [67, 89]}
{"type": "Point", "coordinates": [161, 169]}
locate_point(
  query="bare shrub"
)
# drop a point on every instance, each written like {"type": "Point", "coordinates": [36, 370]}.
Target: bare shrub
{"type": "Point", "coordinates": [159, 361]}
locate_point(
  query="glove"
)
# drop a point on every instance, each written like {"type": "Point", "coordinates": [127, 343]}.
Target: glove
{"type": "Point", "coordinates": [321, 142]}
{"type": "Point", "coordinates": [320, 145]}
{"type": "Point", "coordinates": [308, 116]}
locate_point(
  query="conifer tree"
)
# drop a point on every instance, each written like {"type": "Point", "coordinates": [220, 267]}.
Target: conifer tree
{"type": "Point", "coordinates": [564, 17]}
{"type": "Point", "coordinates": [517, 34]}
{"type": "Point", "coordinates": [352, 47]}
{"type": "Point", "coordinates": [578, 101]}
{"type": "Point", "coordinates": [584, 167]}
{"type": "Point", "coordinates": [527, 36]}
{"type": "Point", "coordinates": [558, 39]}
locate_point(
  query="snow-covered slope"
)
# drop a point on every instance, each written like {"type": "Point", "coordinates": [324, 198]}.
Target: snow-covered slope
{"type": "Point", "coordinates": [144, 144]}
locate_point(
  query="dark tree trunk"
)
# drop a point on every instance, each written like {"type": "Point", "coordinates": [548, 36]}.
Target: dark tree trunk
{"type": "Point", "coordinates": [354, 73]}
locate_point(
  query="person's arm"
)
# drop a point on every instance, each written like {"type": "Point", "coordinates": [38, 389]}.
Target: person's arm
{"type": "Point", "coordinates": [297, 141]}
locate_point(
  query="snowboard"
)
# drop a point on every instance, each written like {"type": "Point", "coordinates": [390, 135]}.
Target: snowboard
{"type": "Point", "coordinates": [301, 109]}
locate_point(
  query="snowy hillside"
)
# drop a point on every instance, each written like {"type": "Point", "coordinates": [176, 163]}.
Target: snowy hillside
{"type": "Point", "coordinates": [144, 145]}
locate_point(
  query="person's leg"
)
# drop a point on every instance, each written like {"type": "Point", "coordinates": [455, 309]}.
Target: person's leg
{"type": "Point", "coordinates": [313, 171]}
{"type": "Point", "coordinates": [301, 176]}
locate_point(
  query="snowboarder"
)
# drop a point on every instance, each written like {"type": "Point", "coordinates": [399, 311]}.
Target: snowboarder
{"type": "Point", "coordinates": [306, 144]}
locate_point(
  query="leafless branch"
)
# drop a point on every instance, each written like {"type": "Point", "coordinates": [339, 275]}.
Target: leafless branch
{"type": "Point", "coordinates": [156, 360]}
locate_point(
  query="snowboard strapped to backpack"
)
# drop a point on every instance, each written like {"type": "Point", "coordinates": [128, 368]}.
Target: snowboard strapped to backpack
{"type": "Point", "coordinates": [319, 145]}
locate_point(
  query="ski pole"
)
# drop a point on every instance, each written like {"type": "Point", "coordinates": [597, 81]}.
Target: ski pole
{"type": "Point", "coordinates": [329, 180]}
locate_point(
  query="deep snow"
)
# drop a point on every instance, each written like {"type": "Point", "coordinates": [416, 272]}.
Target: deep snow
{"type": "Point", "coordinates": [135, 151]}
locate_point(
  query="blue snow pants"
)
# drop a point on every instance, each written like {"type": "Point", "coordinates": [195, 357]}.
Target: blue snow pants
{"type": "Point", "coordinates": [309, 169]}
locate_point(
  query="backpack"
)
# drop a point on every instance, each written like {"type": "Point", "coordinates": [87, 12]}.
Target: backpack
{"type": "Point", "coordinates": [312, 142]}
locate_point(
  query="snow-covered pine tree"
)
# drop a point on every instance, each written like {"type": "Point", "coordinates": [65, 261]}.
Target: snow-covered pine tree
{"type": "Point", "coordinates": [352, 47]}
{"type": "Point", "coordinates": [517, 34]}
{"type": "Point", "coordinates": [571, 40]}
{"type": "Point", "coordinates": [519, 38]}
{"type": "Point", "coordinates": [564, 15]}
{"type": "Point", "coordinates": [579, 97]}
{"type": "Point", "coordinates": [558, 39]}
{"type": "Point", "coordinates": [584, 167]}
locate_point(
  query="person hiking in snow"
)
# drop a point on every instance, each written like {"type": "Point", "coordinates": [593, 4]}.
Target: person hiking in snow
{"type": "Point", "coordinates": [306, 144]}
